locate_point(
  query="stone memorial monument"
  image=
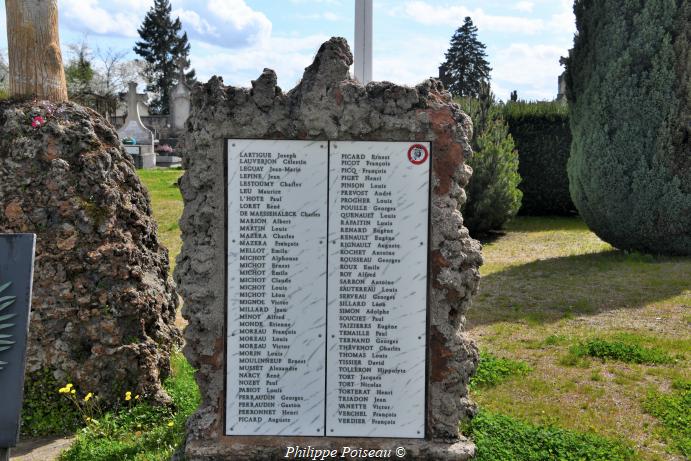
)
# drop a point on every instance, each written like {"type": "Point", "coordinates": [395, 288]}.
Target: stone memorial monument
{"type": "Point", "coordinates": [16, 276]}
{"type": "Point", "coordinates": [142, 151]}
{"type": "Point", "coordinates": [325, 268]}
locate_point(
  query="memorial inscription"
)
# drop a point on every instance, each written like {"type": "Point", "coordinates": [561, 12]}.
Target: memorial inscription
{"type": "Point", "coordinates": [277, 193]}
{"type": "Point", "coordinates": [378, 220]}
{"type": "Point", "coordinates": [301, 361]}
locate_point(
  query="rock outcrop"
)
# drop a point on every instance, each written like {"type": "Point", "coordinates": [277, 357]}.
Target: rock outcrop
{"type": "Point", "coordinates": [103, 305]}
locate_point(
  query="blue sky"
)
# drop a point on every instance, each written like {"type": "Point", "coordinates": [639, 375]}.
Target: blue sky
{"type": "Point", "coordinates": [236, 39]}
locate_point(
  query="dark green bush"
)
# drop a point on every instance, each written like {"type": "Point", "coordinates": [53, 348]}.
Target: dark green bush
{"type": "Point", "coordinates": [493, 370]}
{"type": "Point", "coordinates": [628, 84]}
{"type": "Point", "coordinates": [501, 438]}
{"type": "Point", "coordinates": [44, 411]}
{"type": "Point", "coordinates": [542, 136]}
{"type": "Point", "coordinates": [621, 351]}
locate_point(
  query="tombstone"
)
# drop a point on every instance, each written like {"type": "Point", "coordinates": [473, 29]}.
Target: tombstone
{"type": "Point", "coordinates": [16, 276]}
{"type": "Point", "coordinates": [180, 100]}
{"type": "Point", "coordinates": [142, 151]}
{"type": "Point", "coordinates": [561, 87]}
{"type": "Point", "coordinates": [325, 268]}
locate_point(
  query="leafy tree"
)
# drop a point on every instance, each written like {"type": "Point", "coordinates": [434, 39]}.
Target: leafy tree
{"type": "Point", "coordinates": [465, 68]}
{"type": "Point", "coordinates": [162, 46]}
{"type": "Point", "coordinates": [79, 71]}
{"type": "Point", "coordinates": [113, 75]}
{"type": "Point", "coordinates": [95, 79]}
{"type": "Point", "coordinates": [4, 72]}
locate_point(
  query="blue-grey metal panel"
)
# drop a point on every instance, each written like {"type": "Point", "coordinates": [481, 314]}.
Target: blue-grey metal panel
{"type": "Point", "coordinates": [16, 275]}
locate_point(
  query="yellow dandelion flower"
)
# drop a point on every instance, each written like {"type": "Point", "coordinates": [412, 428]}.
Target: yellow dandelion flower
{"type": "Point", "coordinates": [69, 386]}
{"type": "Point", "coordinates": [63, 390]}
{"type": "Point", "coordinates": [88, 397]}
{"type": "Point", "coordinates": [73, 392]}
{"type": "Point", "coordinates": [128, 396]}
{"type": "Point", "coordinates": [136, 397]}
{"type": "Point", "coordinates": [171, 424]}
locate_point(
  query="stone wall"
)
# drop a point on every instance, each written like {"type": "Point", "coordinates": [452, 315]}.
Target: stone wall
{"type": "Point", "coordinates": [103, 307]}
{"type": "Point", "coordinates": [327, 104]}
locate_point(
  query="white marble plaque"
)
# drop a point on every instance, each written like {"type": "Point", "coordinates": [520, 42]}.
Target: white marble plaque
{"type": "Point", "coordinates": [277, 218]}
{"type": "Point", "coordinates": [377, 288]}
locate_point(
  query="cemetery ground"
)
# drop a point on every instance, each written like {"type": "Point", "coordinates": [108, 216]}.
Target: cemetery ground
{"type": "Point", "coordinates": [584, 351]}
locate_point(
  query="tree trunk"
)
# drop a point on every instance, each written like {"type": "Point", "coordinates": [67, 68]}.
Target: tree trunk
{"type": "Point", "coordinates": [34, 50]}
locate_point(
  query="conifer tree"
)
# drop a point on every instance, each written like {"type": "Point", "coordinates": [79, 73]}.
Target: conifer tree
{"type": "Point", "coordinates": [163, 44]}
{"type": "Point", "coordinates": [465, 68]}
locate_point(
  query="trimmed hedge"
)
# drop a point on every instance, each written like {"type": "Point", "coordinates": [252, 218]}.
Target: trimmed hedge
{"type": "Point", "coordinates": [542, 136]}
{"type": "Point", "coordinates": [629, 88]}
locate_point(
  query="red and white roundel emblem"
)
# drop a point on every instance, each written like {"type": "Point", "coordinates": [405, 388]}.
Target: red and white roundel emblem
{"type": "Point", "coordinates": [417, 154]}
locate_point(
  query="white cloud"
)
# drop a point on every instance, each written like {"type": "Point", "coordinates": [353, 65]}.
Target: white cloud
{"type": "Point", "coordinates": [226, 23]}
{"type": "Point", "coordinates": [408, 62]}
{"type": "Point", "coordinates": [288, 56]}
{"type": "Point", "coordinates": [117, 18]}
{"type": "Point", "coordinates": [526, 7]}
{"type": "Point", "coordinates": [564, 21]}
{"type": "Point", "coordinates": [428, 14]}
{"type": "Point", "coordinates": [326, 16]}
{"type": "Point", "coordinates": [534, 68]}
{"type": "Point", "coordinates": [329, 2]}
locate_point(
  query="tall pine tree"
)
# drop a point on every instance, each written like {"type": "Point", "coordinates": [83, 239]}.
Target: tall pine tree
{"type": "Point", "coordinates": [162, 45]}
{"type": "Point", "coordinates": [465, 68]}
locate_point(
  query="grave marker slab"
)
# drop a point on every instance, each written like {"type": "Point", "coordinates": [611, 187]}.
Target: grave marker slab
{"type": "Point", "coordinates": [16, 277]}
{"type": "Point", "coordinates": [276, 287]}
{"type": "Point", "coordinates": [378, 225]}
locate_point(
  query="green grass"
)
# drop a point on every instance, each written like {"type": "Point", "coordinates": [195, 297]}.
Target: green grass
{"type": "Point", "coordinates": [549, 284]}
{"type": "Point", "coordinates": [167, 206]}
{"type": "Point", "coordinates": [620, 350]}
{"type": "Point", "coordinates": [493, 370]}
{"type": "Point", "coordinates": [674, 410]}
{"type": "Point", "coordinates": [501, 438]}
{"type": "Point", "coordinates": [142, 432]}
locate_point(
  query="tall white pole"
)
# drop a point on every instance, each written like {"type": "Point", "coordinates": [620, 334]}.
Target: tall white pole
{"type": "Point", "coordinates": [363, 41]}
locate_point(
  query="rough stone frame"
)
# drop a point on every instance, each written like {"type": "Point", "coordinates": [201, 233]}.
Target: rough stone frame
{"type": "Point", "coordinates": [328, 105]}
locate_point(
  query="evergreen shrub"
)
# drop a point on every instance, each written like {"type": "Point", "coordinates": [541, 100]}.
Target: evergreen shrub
{"type": "Point", "coordinates": [493, 194]}
{"type": "Point", "coordinates": [629, 89]}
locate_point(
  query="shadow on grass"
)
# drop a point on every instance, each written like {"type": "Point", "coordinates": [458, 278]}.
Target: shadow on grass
{"type": "Point", "coordinates": [546, 223]}
{"type": "Point", "coordinates": [533, 224]}
{"type": "Point", "coordinates": [548, 290]}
